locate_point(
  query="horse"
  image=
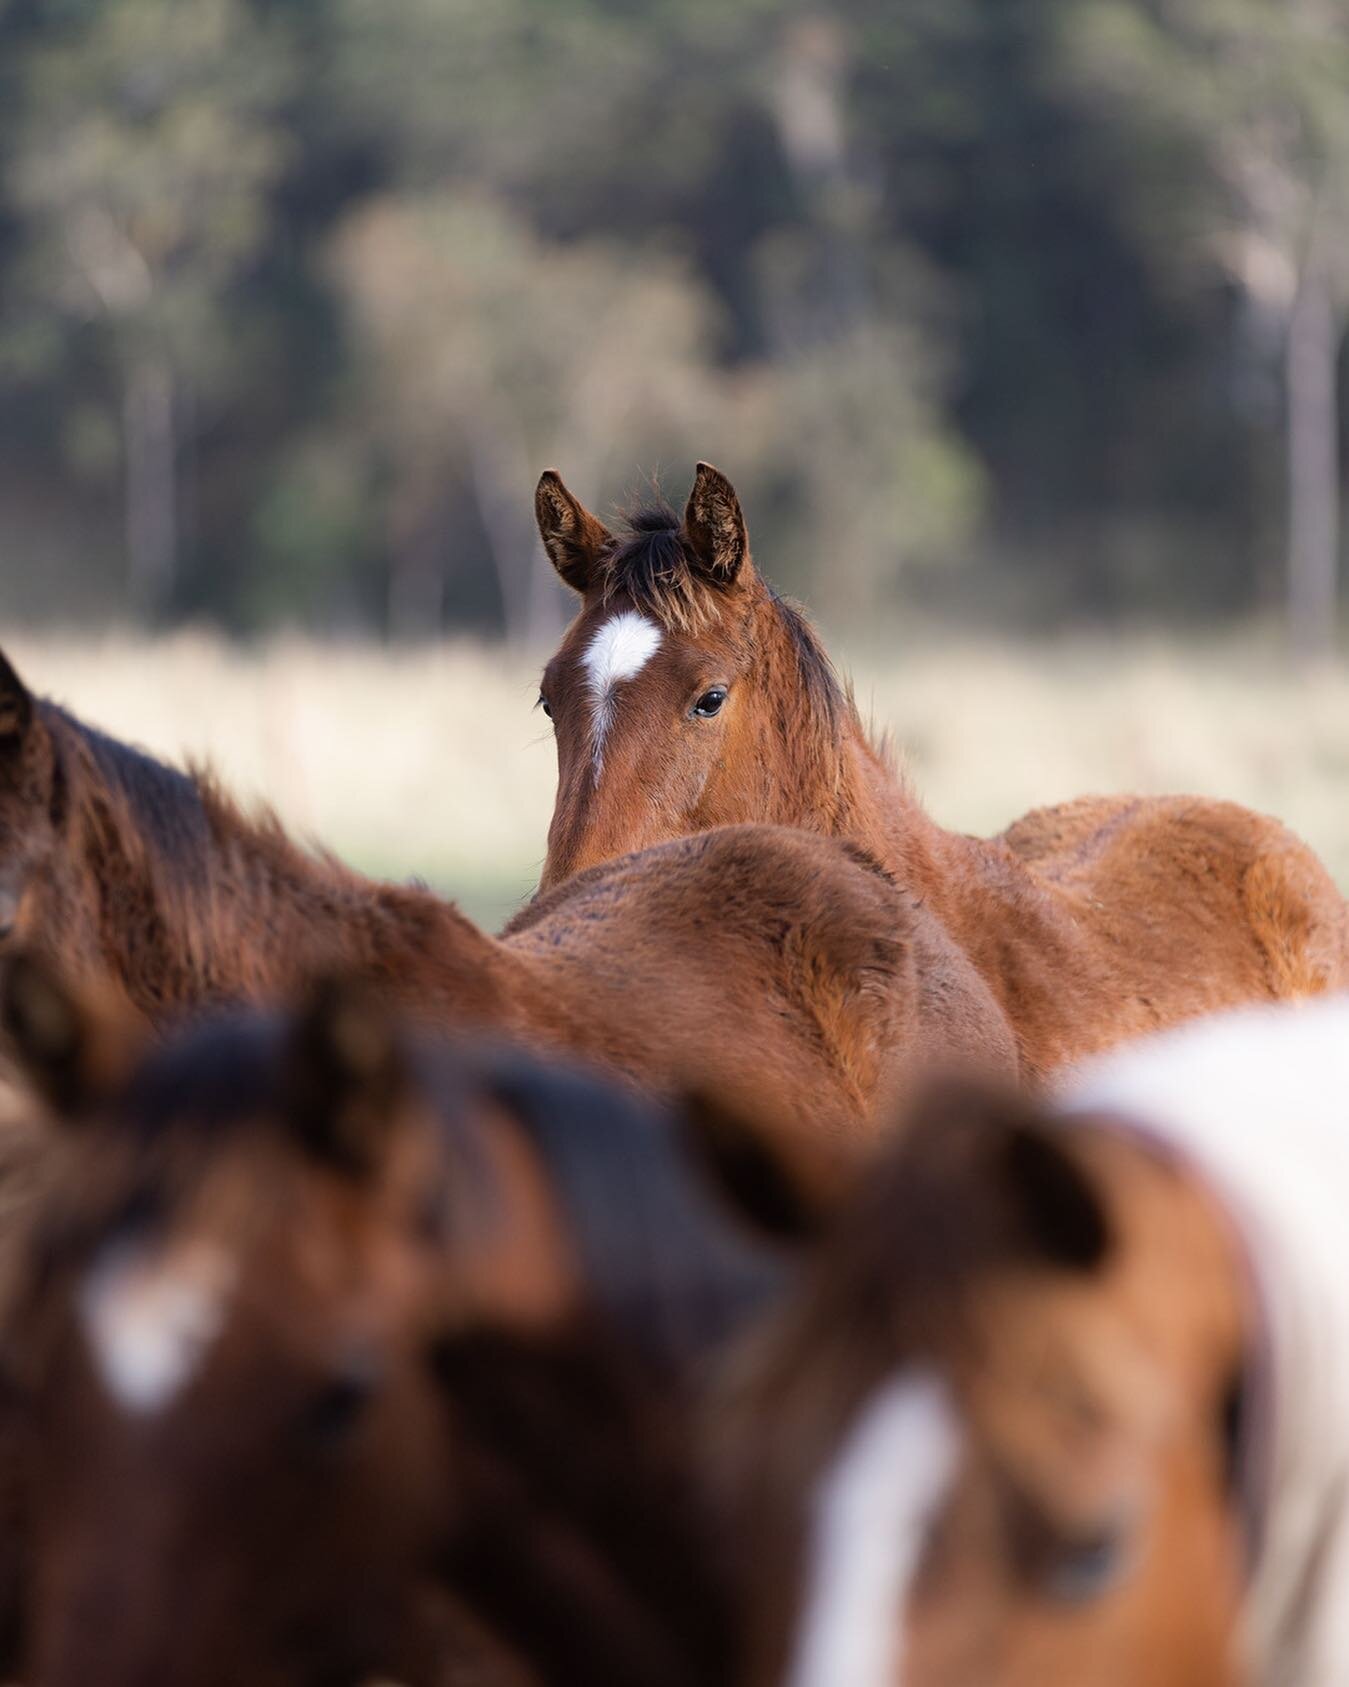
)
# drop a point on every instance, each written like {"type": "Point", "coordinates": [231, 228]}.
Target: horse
{"type": "Point", "coordinates": [1063, 1393]}
{"type": "Point", "coordinates": [314, 1319]}
{"type": "Point", "coordinates": [686, 695]}
{"type": "Point", "coordinates": [757, 961]}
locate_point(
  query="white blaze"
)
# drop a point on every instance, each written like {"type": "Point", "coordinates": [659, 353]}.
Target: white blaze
{"type": "Point", "coordinates": [150, 1317]}
{"type": "Point", "coordinates": [620, 649]}
{"type": "Point", "coordinates": [873, 1509]}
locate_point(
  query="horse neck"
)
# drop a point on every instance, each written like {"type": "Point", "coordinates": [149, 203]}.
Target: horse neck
{"type": "Point", "coordinates": [878, 812]}
{"type": "Point", "coordinates": [830, 777]}
{"type": "Point", "coordinates": [291, 911]}
{"type": "Point", "coordinates": [234, 910]}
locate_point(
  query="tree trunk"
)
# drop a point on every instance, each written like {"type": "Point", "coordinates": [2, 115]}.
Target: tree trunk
{"type": "Point", "coordinates": [416, 602]}
{"type": "Point", "coordinates": [808, 99]}
{"type": "Point", "coordinates": [1313, 464]}
{"type": "Point", "coordinates": [502, 485]}
{"type": "Point", "coordinates": [149, 451]}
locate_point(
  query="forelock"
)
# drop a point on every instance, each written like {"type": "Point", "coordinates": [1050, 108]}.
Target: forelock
{"type": "Point", "coordinates": [650, 564]}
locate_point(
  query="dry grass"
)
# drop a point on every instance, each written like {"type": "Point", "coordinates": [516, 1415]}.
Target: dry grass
{"type": "Point", "coordinates": [433, 762]}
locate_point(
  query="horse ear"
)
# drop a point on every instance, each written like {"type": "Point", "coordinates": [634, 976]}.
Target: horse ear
{"type": "Point", "coordinates": [572, 537]}
{"type": "Point", "coordinates": [714, 527]}
{"type": "Point", "coordinates": [70, 1047]}
{"type": "Point", "coordinates": [1059, 1207]}
{"type": "Point", "coordinates": [1007, 1147]}
{"type": "Point", "coordinates": [347, 1072]}
{"type": "Point", "coordinates": [16, 706]}
{"type": "Point", "coordinates": [784, 1197]}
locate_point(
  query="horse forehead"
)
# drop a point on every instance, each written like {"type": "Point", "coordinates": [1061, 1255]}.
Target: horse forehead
{"type": "Point", "coordinates": [874, 1507]}
{"type": "Point", "coordinates": [150, 1314]}
{"type": "Point", "coordinates": [619, 648]}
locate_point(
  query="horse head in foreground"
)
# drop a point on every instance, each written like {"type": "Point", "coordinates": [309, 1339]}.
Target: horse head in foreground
{"type": "Point", "coordinates": [316, 1325]}
{"type": "Point", "coordinates": [218, 1343]}
{"type": "Point", "coordinates": [990, 1442]}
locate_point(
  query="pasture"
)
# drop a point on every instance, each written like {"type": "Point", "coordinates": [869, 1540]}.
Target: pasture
{"type": "Point", "coordinates": [432, 761]}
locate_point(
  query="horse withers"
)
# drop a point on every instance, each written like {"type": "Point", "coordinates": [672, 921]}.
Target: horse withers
{"type": "Point", "coordinates": [688, 695]}
{"type": "Point", "coordinates": [314, 1326]}
{"type": "Point", "coordinates": [1064, 1394]}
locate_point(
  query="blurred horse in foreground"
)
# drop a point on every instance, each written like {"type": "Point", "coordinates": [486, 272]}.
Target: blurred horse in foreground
{"type": "Point", "coordinates": [315, 1322]}
{"type": "Point", "coordinates": [1064, 1394]}
{"type": "Point", "coordinates": [687, 695]}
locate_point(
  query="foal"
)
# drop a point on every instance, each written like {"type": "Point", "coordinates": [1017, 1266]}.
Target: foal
{"type": "Point", "coordinates": [1065, 1394]}
{"type": "Point", "coordinates": [687, 695]}
{"type": "Point", "coordinates": [759, 960]}
{"type": "Point", "coordinates": [312, 1317]}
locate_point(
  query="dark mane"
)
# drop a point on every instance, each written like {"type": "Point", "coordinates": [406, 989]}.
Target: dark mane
{"type": "Point", "coordinates": [828, 697]}
{"type": "Point", "coordinates": [649, 563]}
{"type": "Point", "coordinates": [165, 803]}
{"type": "Point", "coordinates": [219, 1074]}
{"type": "Point", "coordinates": [664, 1262]}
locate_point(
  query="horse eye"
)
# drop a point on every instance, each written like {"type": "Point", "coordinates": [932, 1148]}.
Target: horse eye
{"type": "Point", "coordinates": [337, 1408]}
{"type": "Point", "coordinates": [545, 706]}
{"type": "Point", "coordinates": [710, 702]}
{"type": "Point", "coordinates": [1086, 1569]}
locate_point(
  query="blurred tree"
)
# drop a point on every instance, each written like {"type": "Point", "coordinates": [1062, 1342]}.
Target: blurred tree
{"type": "Point", "coordinates": [489, 352]}
{"type": "Point", "coordinates": [1258, 97]}
{"type": "Point", "coordinates": [1013, 284]}
{"type": "Point", "coordinates": [148, 141]}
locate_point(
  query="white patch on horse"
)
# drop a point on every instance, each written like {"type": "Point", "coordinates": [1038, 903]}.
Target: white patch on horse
{"type": "Point", "coordinates": [150, 1317]}
{"type": "Point", "coordinates": [873, 1509]}
{"type": "Point", "coordinates": [620, 649]}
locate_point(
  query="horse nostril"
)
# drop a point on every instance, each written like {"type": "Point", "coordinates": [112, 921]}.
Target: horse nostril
{"type": "Point", "coordinates": [9, 913]}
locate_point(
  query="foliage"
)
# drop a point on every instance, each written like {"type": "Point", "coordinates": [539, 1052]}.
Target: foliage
{"type": "Point", "coordinates": [980, 302]}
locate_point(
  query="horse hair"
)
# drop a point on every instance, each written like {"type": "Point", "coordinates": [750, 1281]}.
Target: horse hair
{"type": "Point", "coordinates": [650, 564]}
{"type": "Point", "coordinates": [166, 802]}
{"type": "Point", "coordinates": [673, 1283]}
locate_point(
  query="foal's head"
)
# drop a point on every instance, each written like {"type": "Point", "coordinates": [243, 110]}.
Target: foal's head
{"type": "Point", "coordinates": [224, 1332]}
{"type": "Point", "coordinates": [685, 694]}
{"type": "Point", "coordinates": [312, 1317]}
{"type": "Point", "coordinates": [989, 1444]}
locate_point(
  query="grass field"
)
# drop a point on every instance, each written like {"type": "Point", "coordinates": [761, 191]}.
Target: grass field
{"type": "Point", "coordinates": [433, 761]}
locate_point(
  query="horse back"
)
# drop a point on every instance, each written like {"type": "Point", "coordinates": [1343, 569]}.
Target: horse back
{"type": "Point", "coordinates": [769, 961]}
{"type": "Point", "coordinates": [1162, 881]}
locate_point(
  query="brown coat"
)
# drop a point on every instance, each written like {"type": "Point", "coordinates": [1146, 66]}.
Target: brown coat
{"type": "Point", "coordinates": [780, 970]}
{"type": "Point", "coordinates": [1087, 923]}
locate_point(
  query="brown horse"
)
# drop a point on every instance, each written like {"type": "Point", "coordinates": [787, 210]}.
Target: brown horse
{"type": "Point", "coordinates": [1064, 1395]}
{"type": "Point", "coordinates": [687, 695]}
{"type": "Point", "coordinates": [759, 960]}
{"type": "Point", "coordinates": [312, 1318]}
{"type": "Point", "coordinates": [989, 1444]}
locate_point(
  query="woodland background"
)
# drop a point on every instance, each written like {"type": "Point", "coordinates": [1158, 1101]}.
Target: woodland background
{"type": "Point", "coordinates": [1010, 313]}
{"type": "Point", "coordinates": [1019, 325]}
